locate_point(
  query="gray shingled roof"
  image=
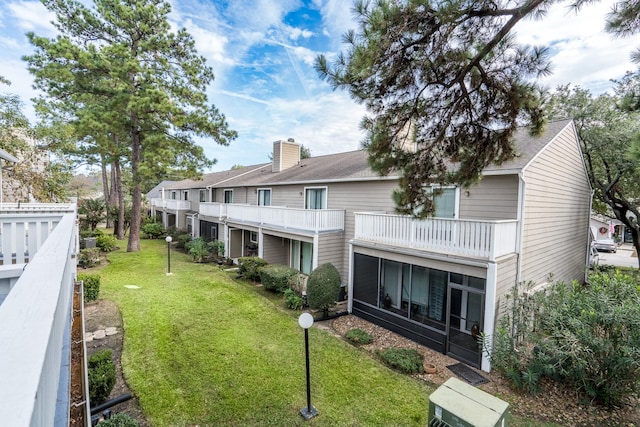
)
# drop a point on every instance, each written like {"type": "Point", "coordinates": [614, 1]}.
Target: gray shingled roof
{"type": "Point", "coordinates": [353, 166]}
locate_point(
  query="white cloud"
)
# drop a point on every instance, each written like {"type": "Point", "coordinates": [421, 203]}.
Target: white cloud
{"type": "Point", "coordinates": [295, 33]}
{"type": "Point", "coordinates": [583, 53]}
{"type": "Point", "coordinates": [32, 16]}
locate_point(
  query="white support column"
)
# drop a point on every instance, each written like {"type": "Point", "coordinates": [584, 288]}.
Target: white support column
{"type": "Point", "coordinates": [489, 310]}
{"type": "Point", "coordinates": [350, 282]}
{"type": "Point", "coordinates": [316, 240]}
{"type": "Point", "coordinates": [226, 239]}
{"type": "Point", "coordinates": [260, 240]}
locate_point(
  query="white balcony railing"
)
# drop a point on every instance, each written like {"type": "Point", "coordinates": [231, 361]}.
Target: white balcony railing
{"type": "Point", "coordinates": [33, 317]}
{"type": "Point", "coordinates": [215, 210]}
{"type": "Point", "coordinates": [315, 220]}
{"type": "Point", "coordinates": [173, 204]}
{"type": "Point", "coordinates": [482, 239]}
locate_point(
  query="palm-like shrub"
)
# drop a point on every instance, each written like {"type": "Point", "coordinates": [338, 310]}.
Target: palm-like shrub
{"type": "Point", "coordinates": [323, 287]}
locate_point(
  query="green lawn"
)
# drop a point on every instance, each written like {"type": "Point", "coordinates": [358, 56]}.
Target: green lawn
{"type": "Point", "coordinates": [201, 348]}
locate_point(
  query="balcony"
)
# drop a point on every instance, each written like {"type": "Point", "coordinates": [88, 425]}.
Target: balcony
{"type": "Point", "coordinates": [471, 238]}
{"type": "Point", "coordinates": [39, 245]}
{"type": "Point", "coordinates": [309, 220]}
{"type": "Point", "coordinates": [171, 204]}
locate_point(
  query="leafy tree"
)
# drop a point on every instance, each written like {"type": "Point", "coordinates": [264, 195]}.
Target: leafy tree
{"type": "Point", "coordinates": [132, 79]}
{"type": "Point", "coordinates": [323, 287]}
{"type": "Point", "coordinates": [37, 175]}
{"type": "Point", "coordinates": [94, 211]}
{"type": "Point", "coordinates": [305, 152]}
{"type": "Point", "coordinates": [442, 82]}
{"type": "Point", "coordinates": [607, 136]}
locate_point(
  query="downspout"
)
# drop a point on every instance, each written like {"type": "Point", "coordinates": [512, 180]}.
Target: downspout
{"type": "Point", "coordinates": [588, 260]}
{"type": "Point", "coordinates": [522, 186]}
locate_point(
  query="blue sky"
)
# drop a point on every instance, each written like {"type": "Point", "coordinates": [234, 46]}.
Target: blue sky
{"type": "Point", "coordinates": [262, 53]}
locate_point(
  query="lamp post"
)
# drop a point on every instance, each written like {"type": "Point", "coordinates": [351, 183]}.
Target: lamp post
{"type": "Point", "coordinates": [305, 321]}
{"type": "Point", "coordinates": [168, 240]}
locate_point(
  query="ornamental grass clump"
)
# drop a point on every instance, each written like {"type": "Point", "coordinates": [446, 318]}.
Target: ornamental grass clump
{"type": "Point", "coordinates": [358, 336]}
{"type": "Point", "coordinates": [405, 360]}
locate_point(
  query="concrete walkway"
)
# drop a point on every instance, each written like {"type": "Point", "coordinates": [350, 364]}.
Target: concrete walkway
{"type": "Point", "coordinates": [623, 258]}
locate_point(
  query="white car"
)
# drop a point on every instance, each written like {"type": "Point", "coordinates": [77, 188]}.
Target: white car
{"type": "Point", "coordinates": [605, 245]}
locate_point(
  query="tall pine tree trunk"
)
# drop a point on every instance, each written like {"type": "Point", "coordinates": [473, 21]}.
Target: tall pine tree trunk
{"type": "Point", "coordinates": [136, 195]}
{"type": "Point", "coordinates": [105, 188]}
{"type": "Point", "coordinates": [117, 183]}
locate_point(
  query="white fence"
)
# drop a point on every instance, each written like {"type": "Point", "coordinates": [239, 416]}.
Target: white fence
{"type": "Point", "coordinates": [33, 318]}
{"type": "Point", "coordinates": [482, 239]}
{"type": "Point", "coordinates": [173, 204]}
{"type": "Point", "coordinates": [316, 220]}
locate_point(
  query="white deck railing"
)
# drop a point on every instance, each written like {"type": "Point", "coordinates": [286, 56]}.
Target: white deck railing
{"type": "Point", "coordinates": [315, 220]}
{"type": "Point", "coordinates": [482, 239]}
{"type": "Point", "coordinates": [173, 204]}
{"type": "Point", "coordinates": [33, 318]}
{"type": "Point", "coordinates": [215, 210]}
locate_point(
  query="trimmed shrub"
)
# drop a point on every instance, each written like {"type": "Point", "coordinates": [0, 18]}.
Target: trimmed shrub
{"type": "Point", "coordinates": [153, 230]}
{"type": "Point", "coordinates": [102, 377]}
{"type": "Point", "coordinates": [216, 248]}
{"type": "Point", "coordinates": [293, 300]}
{"type": "Point", "coordinates": [91, 286]}
{"type": "Point", "coordinates": [323, 287]}
{"type": "Point", "coordinates": [249, 267]}
{"type": "Point", "coordinates": [182, 240]}
{"type": "Point", "coordinates": [106, 242]}
{"type": "Point", "coordinates": [89, 257]}
{"type": "Point", "coordinates": [358, 336]}
{"type": "Point", "coordinates": [276, 277]}
{"type": "Point", "coordinates": [119, 420]}
{"type": "Point", "coordinates": [405, 360]}
{"type": "Point", "coordinates": [198, 249]}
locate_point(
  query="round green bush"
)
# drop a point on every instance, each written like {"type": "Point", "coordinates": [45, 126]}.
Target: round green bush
{"type": "Point", "coordinates": [323, 287]}
{"type": "Point", "coordinates": [102, 377]}
{"type": "Point", "coordinates": [358, 336]}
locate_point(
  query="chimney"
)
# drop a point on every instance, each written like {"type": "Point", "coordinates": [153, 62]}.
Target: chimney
{"type": "Point", "coordinates": [285, 155]}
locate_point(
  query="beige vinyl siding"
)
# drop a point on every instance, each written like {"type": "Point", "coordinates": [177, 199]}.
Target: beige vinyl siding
{"type": "Point", "coordinates": [331, 250]}
{"type": "Point", "coordinates": [275, 250]}
{"type": "Point", "coordinates": [359, 197]}
{"type": "Point", "coordinates": [556, 213]}
{"type": "Point", "coordinates": [507, 276]}
{"type": "Point", "coordinates": [493, 198]}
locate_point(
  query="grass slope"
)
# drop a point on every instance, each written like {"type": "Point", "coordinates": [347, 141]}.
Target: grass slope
{"type": "Point", "coordinates": [203, 349]}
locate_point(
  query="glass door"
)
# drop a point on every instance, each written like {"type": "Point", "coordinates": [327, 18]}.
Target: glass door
{"type": "Point", "coordinates": [465, 310]}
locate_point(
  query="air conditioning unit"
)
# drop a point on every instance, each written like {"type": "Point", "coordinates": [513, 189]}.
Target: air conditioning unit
{"type": "Point", "coordinates": [458, 404]}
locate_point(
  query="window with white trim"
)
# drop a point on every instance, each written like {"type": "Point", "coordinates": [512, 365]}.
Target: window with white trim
{"type": "Point", "coordinates": [228, 196]}
{"type": "Point", "coordinates": [203, 195]}
{"type": "Point", "coordinates": [315, 198]}
{"type": "Point", "coordinates": [264, 197]}
{"type": "Point", "coordinates": [186, 195]}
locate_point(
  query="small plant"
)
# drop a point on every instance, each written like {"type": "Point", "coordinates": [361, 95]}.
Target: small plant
{"type": "Point", "coordinates": [358, 336]}
{"type": "Point", "coordinates": [406, 360]}
{"type": "Point", "coordinates": [182, 240]}
{"type": "Point", "coordinates": [216, 247]}
{"type": "Point", "coordinates": [102, 376]}
{"type": "Point", "coordinates": [153, 230]}
{"type": "Point", "coordinates": [276, 277]}
{"type": "Point", "coordinates": [106, 242]}
{"type": "Point", "coordinates": [91, 286]}
{"type": "Point", "coordinates": [198, 249]}
{"type": "Point", "coordinates": [89, 257]}
{"type": "Point", "coordinates": [323, 287]}
{"type": "Point", "coordinates": [119, 420]}
{"type": "Point", "coordinates": [293, 300]}
{"type": "Point", "coordinates": [250, 267]}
